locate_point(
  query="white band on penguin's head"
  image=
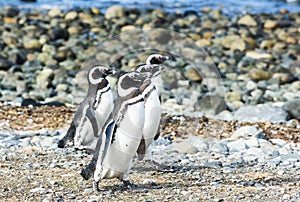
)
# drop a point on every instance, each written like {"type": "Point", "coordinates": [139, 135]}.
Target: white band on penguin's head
{"type": "Point", "coordinates": [95, 75]}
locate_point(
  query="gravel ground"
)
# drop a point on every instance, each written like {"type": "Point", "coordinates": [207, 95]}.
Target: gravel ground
{"type": "Point", "coordinates": [37, 173]}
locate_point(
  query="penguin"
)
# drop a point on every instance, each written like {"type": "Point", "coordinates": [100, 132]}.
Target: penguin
{"type": "Point", "coordinates": [156, 59]}
{"type": "Point", "coordinates": [92, 112]}
{"type": "Point", "coordinates": [122, 134]}
{"type": "Point", "coordinates": [152, 111]}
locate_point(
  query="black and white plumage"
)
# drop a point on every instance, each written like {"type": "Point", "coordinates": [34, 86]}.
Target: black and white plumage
{"type": "Point", "coordinates": [92, 112]}
{"type": "Point", "coordinates": [152, 111]}
{"type": "Point", "coordinates": [156, 59]}
{"type": "Point", "coordinates": [123, 132]}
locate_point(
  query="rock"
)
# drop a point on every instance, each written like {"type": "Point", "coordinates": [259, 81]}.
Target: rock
{"type": "Point", "coordinates": [29, 43]}
{"type": "Point", "coordinates": [279, 142]}
{"type": "Point", "coordinates": [63, 53]}
{"type": "Point", "coordinates": [293, 108]}
{"type": "Point", "coordinates": [5, 64]}
{"type": "Point", "coordinates": [211, 104]}
{"type": "Point", "coordinates": [199, 143]}
{"type": "Point", "coordinates": [17, 57]}
{"type": "Point", "coordinates": [10, 11]}
{"type": "Point", "coordinates": [185, 147]}
{"type": "Point", "coordinates": [219, 147]}
{"type": "Point", "coordinates": [258, 56]}
{"type": "Point", "coordinates": [59, 33]}
{"type": "Point", "coordinates": [128, 28]}
{"type": "Point", "coordinates": [246, 132]}
{"type": "Point", "coordinates": [54, 12]}
{"type": "Point", "coordinates": [115, 11]}
{"type": "Point", "coordinates": [160, 36]}
{"type": "Point", "coordinates": [43, 78]}
{"type": "Point", "coordinates": [9, 38]}
{"type": "Point", "coordinates": [270, 24]}
{"type": "Point", "coordinates": [283, 77]}
{"type": "Point", "coordinates": [256, 151]}
{"type": "Point", "coordinates": [72, 15]}
{"type": "Point", "coordinates": [38, 190]}
{"type": "Point", "coordinates": [233, 96]}
{"type": "Point", "coordinates": [86, 18]}
{"type": "Point", "coordinates": [233, 42]}
{"type": "Point", "coordinates": [260, 113]}
{"type": "Point", "coordinates": [247, 20]}
{"type": "Point", "coordinates": [190, 53]}
{"type": "Point", "coordinates": [252, 142]}
{"type": "Point", "coordinates": [251, 85]}
{"type": "Point", "coordinates": [258, 74]}
{"type": "Point", "coordinates": [267, 44]}
{"type": "Point", "coordinates": [192, 74]}
{"type": "Point", "coordinates": [237, 145]}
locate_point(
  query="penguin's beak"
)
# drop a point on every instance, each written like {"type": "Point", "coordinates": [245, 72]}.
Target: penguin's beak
{"type": "Point", "coordinates": [111, 71]}
{"type": "Point", "coordinates": [164, 58]}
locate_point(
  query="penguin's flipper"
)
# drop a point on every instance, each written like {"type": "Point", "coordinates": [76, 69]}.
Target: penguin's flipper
{"type": "Point", "coordinates": [141, 151]}
{"type": "Point", "coordinates": [69, 136]}
{"type": "Point", "coordinates": [89, 170]}
{"type": "Point", "coordinates": [90, 114]}
{"type": "Point", "coordinates": [157, 133]}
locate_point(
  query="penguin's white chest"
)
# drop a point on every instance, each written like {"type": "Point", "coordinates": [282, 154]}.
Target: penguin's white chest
{"type": "Point", "coordinates": [104, 108]}
{"type": "Point", "coordinates": [158, 82]}
{"type": "Point", "coordinates": [125, 142]}
{"type": "Point", "coordinates": [152, 116]}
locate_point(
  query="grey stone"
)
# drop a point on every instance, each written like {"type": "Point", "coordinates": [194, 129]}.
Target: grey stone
{"type": "Point", "coordinates": [38, 190]}
{"type": "Point", "coordinates": [262, 112]}
{"type": "Point", "coordinates": [185, 147]}
{"type": "Point", "coordinates": [199, 143]}
{"type": "Point", "coordinates": [219, 147]}
{"type": "Point", "coordinates": [237, 145]}
{"type": "Point", "coordinates": [246, 132]}
{"type": "Point", "coordinates": [5, 64]}
{"type": "Point", "coordinates": [290, 157]}
{"type": "Point", "coordinates": [293, 108]}
{"type": "Point", "coordinates": [252, 142]}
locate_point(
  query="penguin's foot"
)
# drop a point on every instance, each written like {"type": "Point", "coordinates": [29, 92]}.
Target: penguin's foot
{"type": "Point", "coordinates": [61, 143]}
{"type": "Point", "coordinates": [96, 187]}
{"type": "Point", "coordinates": [128, 185]}
{"type": "Point", "coordinates": [88, 171]}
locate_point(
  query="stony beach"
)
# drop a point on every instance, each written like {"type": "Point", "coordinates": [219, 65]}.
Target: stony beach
{"type": "Point", "coordinates": [230, 127]}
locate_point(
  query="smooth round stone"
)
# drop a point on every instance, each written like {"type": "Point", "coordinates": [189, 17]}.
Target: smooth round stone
{"type": "Point", "coordinates": [115, 11]}
{"type": "Point", "coordinates": [72, 15]}
{"type": "Point", "coordinates": [233, 96]}
{"type": "Point", "coordinates": [199, 143]}
{"type": "Point", "coordinates": [237, 145]}
{"type": "Point", "coordinates": [247, 20]}
{"type": "Point", "coordinates": [246, 132]}
{"type": "Point", "coordinates": [258, 75]}
{"type": "Point", "coordinates": [252, 142]}
{"type": "Point", "coordinates": [219, 147]}
{"type": "Point", "coordinates": [251, 85]}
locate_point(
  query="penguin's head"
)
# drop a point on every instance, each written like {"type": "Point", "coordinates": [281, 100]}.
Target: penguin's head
{"type": "Point", "coordinates": [97, 73]}
{"type": "Point", "coordinates": [156, 59]}
{"type": "Point", "coordinates": [153, 69]}
{"type": "Point", "coordinates": [131, 82]}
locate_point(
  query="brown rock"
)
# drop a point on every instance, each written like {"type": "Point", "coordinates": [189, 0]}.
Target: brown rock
{"type": "Point", "coordinates": [247, 20]}
{"type": "Point", "coordinates": [267, 44]}
{"type": "Point", "coordinates": [8, 20]}
{"type": "Point", "coordinates": [259, 75]}
{"type": "Point", "coordinates": [270, 24]}
{"type": "Point", "coordinates": [115, 11]}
